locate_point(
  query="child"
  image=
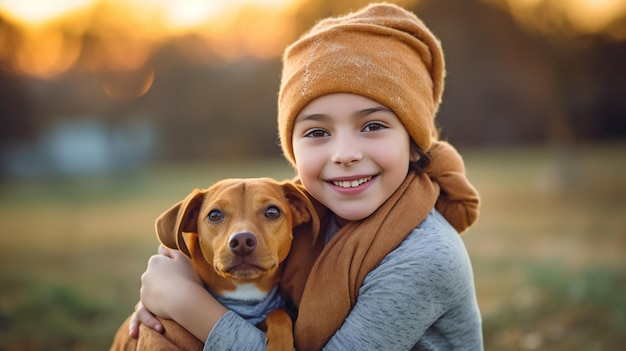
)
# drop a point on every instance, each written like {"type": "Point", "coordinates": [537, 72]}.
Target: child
{"type": "Point", "coordinates": [388, 270]}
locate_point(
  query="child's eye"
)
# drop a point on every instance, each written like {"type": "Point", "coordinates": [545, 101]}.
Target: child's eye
{"type": "Point", "coordinates": [316, 133]}
{"type": "Point", "coordinates": [373, 127]}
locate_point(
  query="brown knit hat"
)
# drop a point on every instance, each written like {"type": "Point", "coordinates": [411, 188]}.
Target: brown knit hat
{"type": "Point", "coordinates": [382, 52]}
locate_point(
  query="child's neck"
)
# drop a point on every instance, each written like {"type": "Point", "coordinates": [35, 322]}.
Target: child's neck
{"type": "Point", "coordinates": [340, 222]}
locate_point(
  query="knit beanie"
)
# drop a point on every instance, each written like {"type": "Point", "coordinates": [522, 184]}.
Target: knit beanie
{"type": "Point", "coordinates": [382, 52]}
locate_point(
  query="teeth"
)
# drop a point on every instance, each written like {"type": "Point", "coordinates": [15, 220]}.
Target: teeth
{"type": "Point", "coordinates": [351, 183]}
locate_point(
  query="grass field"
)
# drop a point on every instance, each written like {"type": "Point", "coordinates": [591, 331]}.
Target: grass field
{"type": "Point", "coordinates": [548, 250]}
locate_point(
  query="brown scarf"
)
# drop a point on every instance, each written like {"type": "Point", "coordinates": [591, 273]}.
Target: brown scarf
{"type": "Point", "coordinates": [324, 281]}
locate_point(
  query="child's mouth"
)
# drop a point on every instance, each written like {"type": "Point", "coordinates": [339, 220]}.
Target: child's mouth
{"type": "Point", "coordinates": [351, 183]}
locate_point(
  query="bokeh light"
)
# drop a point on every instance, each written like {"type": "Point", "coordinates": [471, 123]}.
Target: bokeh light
{"type": "Point", "coordinates": [120, 36]}
{"type": "Point", "coordinates": [570, 17]}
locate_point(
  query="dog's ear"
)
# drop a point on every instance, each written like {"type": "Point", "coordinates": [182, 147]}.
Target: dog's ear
{"type": "Point", "coordinates": [182, 217]}
{"type": "Point", "coordinates": [192, 243]}
{"type": "Point", "coordinates": [303, 209]}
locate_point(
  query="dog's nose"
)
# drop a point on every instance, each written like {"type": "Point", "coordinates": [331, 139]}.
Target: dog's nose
{"type": "Point", "coordinates": [242, 243]}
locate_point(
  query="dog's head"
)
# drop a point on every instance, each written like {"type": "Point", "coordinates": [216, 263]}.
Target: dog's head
{"type": "Point", "coordinates": [241, 227]}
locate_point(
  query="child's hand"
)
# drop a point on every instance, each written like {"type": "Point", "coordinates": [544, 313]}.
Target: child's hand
{"type": "Point", "coordinates": [164, 284]}
{"type": "Point", "coordinates": [170, 288]}
{"type": "Point", "coordinates": [143, 316]}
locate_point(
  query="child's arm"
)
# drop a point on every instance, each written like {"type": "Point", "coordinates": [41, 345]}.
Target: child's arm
{"type": "Point", "coordinates": [171, 289]}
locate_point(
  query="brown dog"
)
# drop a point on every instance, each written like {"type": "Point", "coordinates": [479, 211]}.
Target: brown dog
{"type": "Point", "coordinates": [236, 233]}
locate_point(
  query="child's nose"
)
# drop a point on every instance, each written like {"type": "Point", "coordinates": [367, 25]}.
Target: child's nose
{"type": "Point", "coordinates": [347, 151]}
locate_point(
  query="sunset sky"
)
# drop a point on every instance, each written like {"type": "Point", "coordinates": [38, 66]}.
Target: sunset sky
{"type": "Point", "coordinates": [175, 14]}
{"type": "Point", "coordinates": [586, 16]}
{"type": "Point", "coordinates": [126, 31]}
{"type": "Point", "coordinates": [123, 34]}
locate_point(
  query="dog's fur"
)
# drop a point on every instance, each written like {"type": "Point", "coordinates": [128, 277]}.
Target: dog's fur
{"type": "Point", "coordinates": [236, 233]}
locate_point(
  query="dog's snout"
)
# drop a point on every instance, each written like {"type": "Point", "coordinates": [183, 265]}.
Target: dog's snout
{"type": "Point", "coordinates": [242, 243]}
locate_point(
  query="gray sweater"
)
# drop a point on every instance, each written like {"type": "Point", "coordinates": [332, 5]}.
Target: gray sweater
{"type": "Point", "coordinates": [420, 297]}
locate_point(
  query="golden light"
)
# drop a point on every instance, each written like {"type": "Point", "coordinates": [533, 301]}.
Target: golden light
{"type": "Point", "coordinates": [121, 35]}
{"type": "Point", "coordinates": [115, 39]}
{"type": "Point", "coordinates": [574, 16]}
{"type": "Point", "coordinates": [185, 15]}
{"type": "Point", "coordinates": [127, 85]}
{"type": "Point", "coordinates": [593, 16]}
{"type": "Point", "coordinates": [189, 15]}
{"type": "Point", "coordinates": [40, 12]}
{"type": "Point", "coordinates": [46, 53]}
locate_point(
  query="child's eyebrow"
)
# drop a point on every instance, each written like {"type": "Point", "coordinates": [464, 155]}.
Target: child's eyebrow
{"type": "Point", "coordinates": [369, 111]}
{"type": "Point", "coordinates": [357, 114]}
{"type": "Point", "coordinates": [312, 117]}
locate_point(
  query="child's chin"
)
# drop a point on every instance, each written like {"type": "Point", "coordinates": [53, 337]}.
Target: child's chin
{"type": "Point", "coordinates": [348, 216]}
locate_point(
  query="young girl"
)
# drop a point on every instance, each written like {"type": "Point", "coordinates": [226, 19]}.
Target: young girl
{"type": "Point", "coordinates": [388, 270]}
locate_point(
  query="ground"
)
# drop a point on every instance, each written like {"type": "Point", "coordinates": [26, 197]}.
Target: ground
{"type": "Point", "coordinates": [547, 250]}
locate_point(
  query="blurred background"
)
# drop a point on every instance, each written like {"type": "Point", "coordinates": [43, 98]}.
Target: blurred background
{"type": "Point", "coordinates": [113, 110]}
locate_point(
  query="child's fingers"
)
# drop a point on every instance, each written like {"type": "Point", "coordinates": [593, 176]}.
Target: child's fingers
{"type": "Point", "coordinates": [143, 316]}
{"type": "Point", "coordinates": [165, 251]}
{"type": "Point", "coordinates": [133, 327]}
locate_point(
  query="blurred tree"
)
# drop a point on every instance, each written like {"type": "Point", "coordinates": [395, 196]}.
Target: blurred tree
{"type": "Point", "coordinates": [580, 48]}
{"type": "Point", "coordinates": [223, 111]}
{"type": "Point", "coordinates": [16, 118]}
{"type": "Point", "coordinates": [17, 121]}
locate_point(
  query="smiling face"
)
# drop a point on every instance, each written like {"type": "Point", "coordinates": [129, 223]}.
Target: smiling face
{"type": "Point", "coordinates": [351, 153]}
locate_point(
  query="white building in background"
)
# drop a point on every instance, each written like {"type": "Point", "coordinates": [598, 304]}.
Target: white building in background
{"type": "Point", "coordinates": [81, 146]}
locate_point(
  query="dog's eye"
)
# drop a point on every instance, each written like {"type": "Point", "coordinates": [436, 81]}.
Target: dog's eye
{"type": "Point", "coordinates": [272, 212]}
{"type": "Point", "coordinates": [215, 216]}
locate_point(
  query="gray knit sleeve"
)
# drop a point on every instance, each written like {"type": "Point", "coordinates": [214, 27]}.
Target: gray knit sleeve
{"type": "Point", "coordinates": [232, 332]}
{"type": "Point", "coordinates": [420, 297]}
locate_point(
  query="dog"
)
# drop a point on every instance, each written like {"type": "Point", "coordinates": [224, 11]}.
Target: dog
{"type": "Point", "coordinates": [236, 233]}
